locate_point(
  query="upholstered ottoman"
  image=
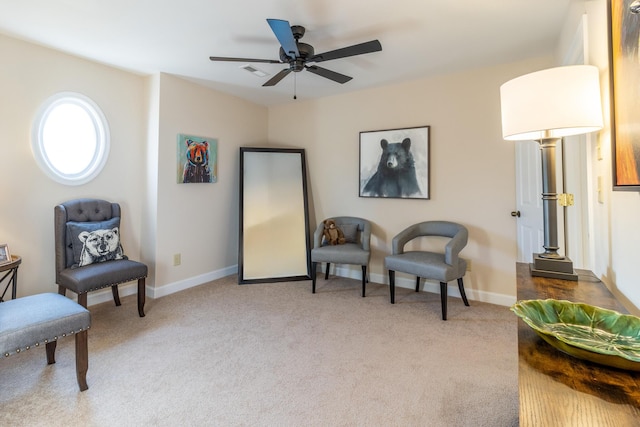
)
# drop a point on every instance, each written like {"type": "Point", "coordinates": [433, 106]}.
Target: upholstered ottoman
{"type": "Point", "coordinates": [42, 319]}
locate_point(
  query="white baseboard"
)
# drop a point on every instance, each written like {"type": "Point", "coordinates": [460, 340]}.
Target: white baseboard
{"type": "Point", "coordinates": [428, 286]}
{"type": "Point", "coordinates": [181, 285]}
{"type": "Point", "coordinates": [402, 282]}
{"type": "Point", "coordinates": [105, 294]}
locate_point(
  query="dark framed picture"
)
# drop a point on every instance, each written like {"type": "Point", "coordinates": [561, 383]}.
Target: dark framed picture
{"type": "Point", "coordinates": [394, 163]}
{"type": "Point", "coordinates": [624, 68]}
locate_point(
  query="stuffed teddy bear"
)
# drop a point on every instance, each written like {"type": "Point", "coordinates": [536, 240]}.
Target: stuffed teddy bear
{"type": "Point", "coordinates": [332, 234]}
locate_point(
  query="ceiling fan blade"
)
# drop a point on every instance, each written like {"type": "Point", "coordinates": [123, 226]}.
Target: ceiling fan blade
{"type": "Point", "coordinates": [275, 79]}
{"type": "Point", "coordinates": [283, 33]}
{"type": "Point", "coordinates": [224, 58]}
{"type": "Point", "coordinates": [356, 49]}
{"type": "Point", "coordinates": [331, 75]}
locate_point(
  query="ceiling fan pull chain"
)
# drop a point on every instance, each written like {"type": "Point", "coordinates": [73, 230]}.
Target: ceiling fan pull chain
{"type": "Point", "coordinates": [295, 86]}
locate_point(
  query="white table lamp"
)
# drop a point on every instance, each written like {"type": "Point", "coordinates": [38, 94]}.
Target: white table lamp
{"type": "Point", "coordinates": [546, 106]}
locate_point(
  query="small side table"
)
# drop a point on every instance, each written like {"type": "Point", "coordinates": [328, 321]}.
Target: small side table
{"type": "Point", "coordinates": [10, 271]}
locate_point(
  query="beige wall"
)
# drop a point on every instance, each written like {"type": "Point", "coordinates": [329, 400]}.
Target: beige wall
{"type": "Point", "coordinates": [29, 74]}
{"type": "Point", "coordinates": [472, 167]}
{"type": "Point", "coordinates": [200, 221]}
{"type": "Point", "coordinates": [615, 220]}
{"type": "Point", "coordinates": [145, 114]}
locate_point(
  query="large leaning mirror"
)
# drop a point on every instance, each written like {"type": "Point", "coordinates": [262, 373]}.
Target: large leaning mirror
{"type": "Point", "coordinates": [274, 216]}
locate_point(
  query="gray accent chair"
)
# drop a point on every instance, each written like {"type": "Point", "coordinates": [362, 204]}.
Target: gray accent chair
{"type": "Point", "coordinates": [82, 280]}
{"type": "Point", "coordinates": [355, 251]}
{"type": "Point", "coordinates": [442, 267]}
{"type": "Point", "coordinates": [31, 321]}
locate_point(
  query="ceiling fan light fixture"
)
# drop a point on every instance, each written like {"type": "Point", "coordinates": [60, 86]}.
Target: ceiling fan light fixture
{"type": "Point", "coordinates": [255, 71]}
{"type": "Point", "coordinates": [296, 54]}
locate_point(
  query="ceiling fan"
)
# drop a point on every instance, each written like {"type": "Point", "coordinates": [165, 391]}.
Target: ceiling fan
{"type": "Point", "coordinates": [298, 54]}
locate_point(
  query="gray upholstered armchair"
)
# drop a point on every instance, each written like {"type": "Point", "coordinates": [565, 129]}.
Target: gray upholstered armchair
{"type": "Point", "coordinates": [442, 267]}
{"type": "Point", "coordinates": [356, 249]}
{"type": "Point", "coordinates": [89, 255]}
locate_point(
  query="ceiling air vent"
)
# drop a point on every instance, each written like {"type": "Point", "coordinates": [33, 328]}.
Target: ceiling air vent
{"type": "Point", "coordinates": [254, 70]}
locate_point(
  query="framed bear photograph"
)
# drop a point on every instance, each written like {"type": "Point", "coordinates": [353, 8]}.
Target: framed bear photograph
{"type": "Point", "coordinates": [394, 163]}
{"type": "Point", "coordinates": [197, 159]}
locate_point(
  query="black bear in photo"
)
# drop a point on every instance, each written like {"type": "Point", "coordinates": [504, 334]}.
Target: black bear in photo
{"type": "Point", "coordinates": [396, 174]}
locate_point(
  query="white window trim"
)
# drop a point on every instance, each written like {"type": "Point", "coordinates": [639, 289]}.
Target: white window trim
{"type": "Point", "coordinates": [102, 138]}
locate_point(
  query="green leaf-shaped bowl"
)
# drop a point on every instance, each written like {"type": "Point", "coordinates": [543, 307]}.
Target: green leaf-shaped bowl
{"type": "Point", "coordinates": [584, 331]}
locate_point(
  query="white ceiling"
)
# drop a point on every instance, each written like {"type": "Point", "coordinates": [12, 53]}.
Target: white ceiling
{"type": "Point", "coordinates": [418, 37]}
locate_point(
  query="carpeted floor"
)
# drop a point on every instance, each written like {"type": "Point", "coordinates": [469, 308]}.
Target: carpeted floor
{"type": "Point", "coordinates": [224, 354]}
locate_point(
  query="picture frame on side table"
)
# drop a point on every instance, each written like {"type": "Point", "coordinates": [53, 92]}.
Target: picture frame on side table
{"type": "Point", "coordinates": [394, 163]}
{"type": "Point", "coordinates": [5, 256]}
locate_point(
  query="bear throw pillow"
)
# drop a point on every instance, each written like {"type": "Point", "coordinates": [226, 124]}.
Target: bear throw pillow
{"type": "Point", "coordinates": [94, 242]}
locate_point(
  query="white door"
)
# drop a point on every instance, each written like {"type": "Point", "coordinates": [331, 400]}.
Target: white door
{"type": "Point", "coordinates": [577, 216]}
{"type": "Point", "coordinates": [530, 232]}
{"type": "Point", "coordinates": [530, 228]}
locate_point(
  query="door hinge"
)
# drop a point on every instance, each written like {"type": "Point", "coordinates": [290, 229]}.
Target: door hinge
{"type": "Point", "coordinates": [565, 199]}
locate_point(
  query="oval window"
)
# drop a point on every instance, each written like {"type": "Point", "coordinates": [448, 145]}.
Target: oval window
{"type": "Point", "coordinates": [70, 138]}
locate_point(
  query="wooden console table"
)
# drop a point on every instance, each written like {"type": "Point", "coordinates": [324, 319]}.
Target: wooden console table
{"type": "Point", "coordinates": [559, 390]}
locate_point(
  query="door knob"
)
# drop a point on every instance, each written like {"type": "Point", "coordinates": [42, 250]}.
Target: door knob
{"type": "Point", "coordinates": [515, 213]}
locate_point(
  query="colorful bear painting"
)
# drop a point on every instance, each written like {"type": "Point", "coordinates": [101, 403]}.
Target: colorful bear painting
{"type": "Point", "coordinates": [197, 159]}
